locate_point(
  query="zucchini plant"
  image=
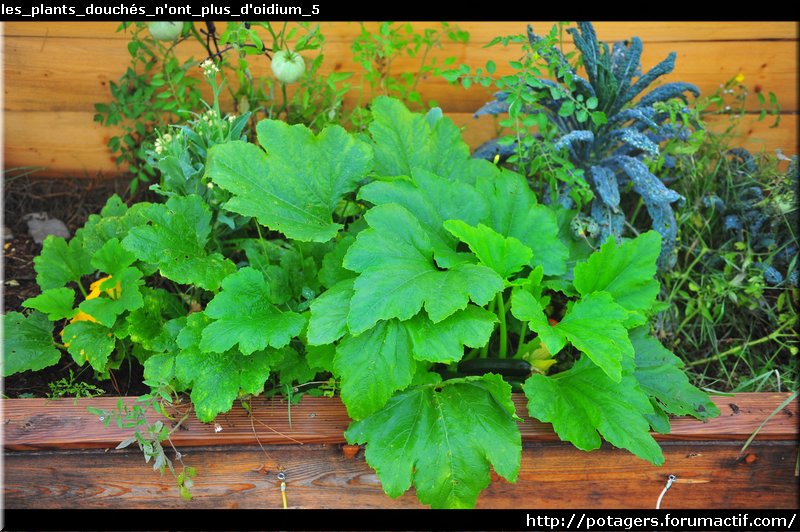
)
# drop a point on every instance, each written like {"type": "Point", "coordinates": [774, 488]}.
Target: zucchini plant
{"type": "Point", "coordinates": [427, 284]}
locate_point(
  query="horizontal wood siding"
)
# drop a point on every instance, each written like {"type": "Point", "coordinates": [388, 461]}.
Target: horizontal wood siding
{"type": "Point", "coordinates": [234, 471]}
{"type": "Point", "coordinates": [56, 71]}
{"type": "Point", "coordinates": [552, 475]}
{"type": "Point", "coordinates": [42, 424]}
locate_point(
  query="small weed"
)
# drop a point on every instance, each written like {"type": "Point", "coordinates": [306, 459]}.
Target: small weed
{"type": "Point", "coordinates": [69, 387]}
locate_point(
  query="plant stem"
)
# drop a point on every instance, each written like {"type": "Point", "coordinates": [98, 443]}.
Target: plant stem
{"type": "Point", "coordinates": [472, 354]}
{"type": "Point", "coordinates": [738, 348]}
{"type": "Point", "coordinates": [501, 312]}
{"type": "Point", "coordinates": [82, 289]}
{"type": "Point", "coordinates": [522, 330]}
{"type": "Point", "coordinates": [485, 349]}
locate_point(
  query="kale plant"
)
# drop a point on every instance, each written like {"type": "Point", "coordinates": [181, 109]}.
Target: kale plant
{"type": "Point", "coordinates": [763, 216]}
{"type": "Point", "coordinates": [609, 139]}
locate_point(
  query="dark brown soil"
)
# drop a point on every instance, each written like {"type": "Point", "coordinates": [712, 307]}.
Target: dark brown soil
{"type": "Point", "coordinates": [71, 201]}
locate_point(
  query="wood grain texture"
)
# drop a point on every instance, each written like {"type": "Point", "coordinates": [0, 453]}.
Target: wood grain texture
{"type": "Point", "coordinates": [71, 144]}
{"type": "Point", "coordinates": [68, 75]}
{"type": "Point", "coordinates": [480, 32]}
{"type": "Point", "coordinates": [552, 475]}
{"type": "Point", "coordinates": [32, 424]}
{"type": "Point", "coordinates": [54, 73]}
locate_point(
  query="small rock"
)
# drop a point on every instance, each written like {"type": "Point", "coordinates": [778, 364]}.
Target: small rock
{"type": "Point", "coordinates": [40, 225]}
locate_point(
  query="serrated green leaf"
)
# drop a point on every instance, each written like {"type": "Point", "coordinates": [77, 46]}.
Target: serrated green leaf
{"type": "Point", "coordinates": [124, 295]}
{"type": "Point", "coordinates": [89, 342]}
{"type": "Point", "coordinates": [626, 271]}
{"type": "Point", "coordinates": [57, 303]}
{"type": "Point", "coordinates": [114, 221]}
{"type": "Point", "coordinates": [659, 374]}
{"type": "Point", "coordinates": [296, 185]}
{"type": "Point", "coordinates": [329, 312]}
{"type": "Point", "coordinates": [406, 141]}
{"type": "Point", "coordinates": [332, 271]}
{"type": "Point", "coordinates": [175, 240]}
{"type": "Point", "coordinates": [525, 307]}
{"type": "Point", "coordinates": [443, 439]}
{"type": "Point", "coordinates": [293, 368]}
{"type": "Point", "coordinates": [320, 357]}
{"type": "Point", "coordinates": [112, 258]}
{"type": "Point", "coordinates": [514, 212]}
{"type": "Point", "coordinates": [432, 200]}
{"type": "Point", "coordinates": [147, 325]}
{"type": "Point", "coordinates": [243, 315]}
{"type": "Point", "coordinates": [159, 368]}
{"type": "Point", "coordinates": [27, 343]}
{"type": "Point", "coordinates": [277, 277]}
{"type": "Point", "coordinates": [399, 275]}
{"type": "Point", "coordinates": [217, 378]}
{"type": "Point", "coordinates": [505, 255]}
{"type": "Point", "coordinates": [594, 325]}
{"type": "Point", "coordinates": [445, 341]}
{"type": "Point", "coordinates": [583, 403]}
{"type": "Point", "coordinates": [60, 263]}
{"type": "Point", "coordinates": [374, 365]}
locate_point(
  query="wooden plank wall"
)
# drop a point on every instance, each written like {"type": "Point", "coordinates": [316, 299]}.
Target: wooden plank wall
{"type": "Point", "coordinates": [54, 73]}
{"type": "Point", "coordinates": [62, 457]}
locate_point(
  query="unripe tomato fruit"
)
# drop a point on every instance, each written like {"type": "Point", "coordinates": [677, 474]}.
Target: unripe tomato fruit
{"type": "Point", "coordinates": [288, 66]}
{"type": "Point", "coordinates": [165, 31]}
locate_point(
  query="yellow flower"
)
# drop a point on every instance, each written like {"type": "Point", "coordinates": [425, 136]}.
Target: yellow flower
{"type": "Point", "coordinates": [94, 289]}
{"type": "Point", "coordinates": [94, 292]}
{"type": "Point", "coordinates": [739, 78]}
{"type": "Point", "coordinates": [540, 359]}
{"type": "Point", "coordinates": [82, 316]}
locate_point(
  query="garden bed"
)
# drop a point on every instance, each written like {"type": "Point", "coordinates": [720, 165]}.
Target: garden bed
{"type": "Point", "coordinates": [58, 455]}
{"type": "Point", "coordinates": [374, 257]}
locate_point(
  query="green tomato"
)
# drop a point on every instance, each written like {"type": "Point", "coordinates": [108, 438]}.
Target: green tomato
{"type": "Point", "coordinates": [165, 31]}
{"type": "Point", "coordinates": [288, 66]}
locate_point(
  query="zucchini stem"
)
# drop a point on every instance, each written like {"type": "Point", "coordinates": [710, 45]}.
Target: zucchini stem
{"type": "Point", "coordinates": [523, 329]}
{"type": "Point", "coordinates": [501, 312]}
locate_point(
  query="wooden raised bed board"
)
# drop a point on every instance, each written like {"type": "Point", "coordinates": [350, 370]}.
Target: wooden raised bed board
{"type": "Point", "coordinates": [58, 455]}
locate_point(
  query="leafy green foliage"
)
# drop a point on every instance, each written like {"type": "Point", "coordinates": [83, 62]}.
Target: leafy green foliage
{"type": "Point", "coordinates": [60, 262]}
{"type": "Point", "coordinates": [373, 366]}
{"type": "Point", "coordinates": [89, 342]}
{"type": "Point", "coordinates": [389, 266]}
{"type": "Point", "coordinates": [295, 186]}
{"type": "Point", "coordinates": [514, 212]}
{"type": "Point", "coordinates": [399, 275]}
{"type": "Point", "coordinates": [27, 343]}
{"type": "Point", "coordinates": [243, 315]}
{"type": "Point", "coordinates": [584, 403]}
{"type": "Point", "coordinates": [659, 374]}
{"type": "Point", "coordinates": [57, 303]}
{"type": "Point", "coordinates": [175, 238]}
{"type": "Point", "coordinates": [505, 255]}
{"type": "Point", "coordinates": [626, 272]}
{"type": "Point", "coordinates": [443, 438]}
{"type": "Point", "coordinates": [594, 325]}
{"type": "Point", "coordinates": [216, 379]}
{"type": "Point", "coordinates": [738, 255]}
{"type": "Point", "coordinates": [601, 141]}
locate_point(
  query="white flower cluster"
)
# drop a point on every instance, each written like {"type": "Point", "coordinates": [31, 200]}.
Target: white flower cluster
{"type": "Point", "coordinates": [162, 142]}
{"type": "Point", "coordinates": [210, 116]}
{"type": "Point", "coordinates": [209, 68]}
